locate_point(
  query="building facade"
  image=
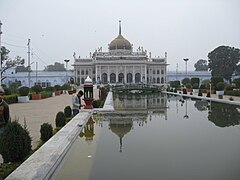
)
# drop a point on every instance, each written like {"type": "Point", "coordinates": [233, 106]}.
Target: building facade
{"type": "Point", "coordinates": [121, 65]}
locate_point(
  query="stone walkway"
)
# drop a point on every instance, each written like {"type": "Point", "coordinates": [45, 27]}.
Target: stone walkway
{"type": "Point", "coordinates": [37, 112]}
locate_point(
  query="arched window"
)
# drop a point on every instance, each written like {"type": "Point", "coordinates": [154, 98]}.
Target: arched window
{"type": "Point", "coordinates": [137, 77]}
{"type": "Point", "coordinates": [162, 80]}
{"type": "Point", "coordinates": [154, 81]}
{"type": "Point", "coordinates": [112, 78]}
{"type": "Point", "coordinates": [104, 78]}
{"type": "Point", "coordinates": [82, 81]}
{"type": "Point", "coordinates": [78, 80]}
{"type": "Point", "coordinates": [158, 80]}
{"type": "Point", "coordinates": [121, 78]}
{"type": "Point", "coordinates": [129, 78]}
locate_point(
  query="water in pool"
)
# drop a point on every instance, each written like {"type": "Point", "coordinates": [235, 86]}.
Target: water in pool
{"type": "Point", "coordinates": [157, 137]}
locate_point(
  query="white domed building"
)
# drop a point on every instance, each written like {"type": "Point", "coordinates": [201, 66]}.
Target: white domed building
{"type": "Point", "coordinates": [121, 65]}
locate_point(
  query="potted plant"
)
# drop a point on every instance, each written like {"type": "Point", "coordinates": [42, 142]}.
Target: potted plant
{"type": "Point", "coordinates": [23, 94]}
{"type": "Point", "coordinates": [189, 87]}
{"type": "Point", "coordinates": [220, 88]}
{"type": "Point", "coordinates": [37, 89]}
{"type": "Point", "coordinates": [57, 89]}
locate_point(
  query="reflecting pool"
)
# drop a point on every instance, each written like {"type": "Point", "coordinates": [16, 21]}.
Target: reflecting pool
{"type": "Point", "coordinates": [157, 137]}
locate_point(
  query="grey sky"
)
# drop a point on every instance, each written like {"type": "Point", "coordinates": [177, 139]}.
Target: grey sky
{"type": "Point", "coordinates": [57, 28]}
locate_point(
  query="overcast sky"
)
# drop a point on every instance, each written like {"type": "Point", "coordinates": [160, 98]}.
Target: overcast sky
{"type": "Point", "coordinates": [58, 28]}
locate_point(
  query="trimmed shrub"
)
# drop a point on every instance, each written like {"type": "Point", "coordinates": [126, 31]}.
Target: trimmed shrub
{"type": "Point", "coordinates": [46, 132]}
{"type": "Point", "coordinates": [57, 88]}
{"type": "Point", "coordinates": [60, 119]}
{"type": "Point", "coordinates": [68, 111]}
{"type": "Point", "coordinates": [228, 87]}
{"type": "Point", "coordinates": [202, 86]}
{"type": "Point", "coordinates": [188, 85]}
{"type": "Point", "coordinates": [195, 86]}
{"type": "Point", "coordinates": [216, 80]}
{"type": "Point", "coordinates": [49, 89]}
{"type": "Point", "coordinates": [175, 84]}
{"type": "Point", "coordinates": [23, 91]}
{"type": "Point", "coordinates": [37, 89]}
{"type": "Point", "coordinates": [186, 81]}
{"type": "Point", "coordinates": [98, 103]}
{"type": "Point", "coordinates": [7, 91]}
{"type": "Point", "coordinates": [15, 143]}
{"type": "Point", "coordinates": [45, 94]}
{"type": "Point", "coordinates": [220, 86]}
{"type": "Point", "coordinates": [10, 99]}
{"type": "Point", "coordinates": [195, 81]}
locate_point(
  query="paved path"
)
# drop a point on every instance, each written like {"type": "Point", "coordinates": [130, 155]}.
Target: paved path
{"type": "Point", "coordinates": [37, 112]}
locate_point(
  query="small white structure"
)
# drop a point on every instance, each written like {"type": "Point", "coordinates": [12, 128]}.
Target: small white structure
{"type": "Point", "coordinates": [43, 78]}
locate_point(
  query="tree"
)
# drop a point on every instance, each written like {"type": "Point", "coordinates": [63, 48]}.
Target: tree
{"type": "Point", "coordinates": [186, 81]}
{"type": "Point", "coordinates": [8, 62]}
{"type": "Point", "coordinates": [223, 61]}
{"type": "Point", "coordinates": [56, 67]}
{"type": "Point", "coordinates": [201, 65]}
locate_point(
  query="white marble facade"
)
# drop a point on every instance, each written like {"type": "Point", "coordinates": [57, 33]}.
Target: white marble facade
{"type": "Point", "coordinates": [121, 65]}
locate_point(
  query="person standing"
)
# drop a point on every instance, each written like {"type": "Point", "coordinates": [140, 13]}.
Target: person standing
{"type": "Point", "coordinates": [76, 102]}
{"type": "Point", "coordinates": [4, 111]}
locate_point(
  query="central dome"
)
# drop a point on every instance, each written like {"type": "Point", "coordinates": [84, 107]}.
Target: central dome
{"type": "Point", "coordinates": [120, 43]}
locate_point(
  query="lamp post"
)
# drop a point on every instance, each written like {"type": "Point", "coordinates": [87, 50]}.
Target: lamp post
{"type": "Point", "coordinates": [66, 61]}
{"type": "Point", "coordinates": [186, 60]}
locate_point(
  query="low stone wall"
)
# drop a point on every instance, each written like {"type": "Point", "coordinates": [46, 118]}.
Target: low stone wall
{"type": "Point", "coordinates": [45, 160]}
{"type": "Point", "coordinates": [206, 98]}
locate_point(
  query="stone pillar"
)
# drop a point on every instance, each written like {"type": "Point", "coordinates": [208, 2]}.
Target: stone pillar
{"type": "Point", "coordinates": [88, 93]}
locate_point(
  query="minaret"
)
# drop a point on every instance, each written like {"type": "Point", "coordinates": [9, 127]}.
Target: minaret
{"type": "Point", "coordinates": [120, 30]}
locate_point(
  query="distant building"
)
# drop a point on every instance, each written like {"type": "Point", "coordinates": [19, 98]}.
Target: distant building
{"type": "Point", "coordinates": [43, 78]}
{"type": "Point", "coordinates": [202, 75]}
{"type": "Point", "coordinates": [121, 65]}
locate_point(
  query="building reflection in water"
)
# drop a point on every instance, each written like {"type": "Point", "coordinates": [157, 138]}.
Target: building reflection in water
{"type": "Point", "coordinates": [121, 127]}
{"type": "Point", "coordinates": [88, 130]}
{"type": "Point", "coordinates": [133, 109]}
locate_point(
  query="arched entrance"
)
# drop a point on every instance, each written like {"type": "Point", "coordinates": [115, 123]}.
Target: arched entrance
{"type": "Point", "coordinates": [112, 78]}
{"type": "Point", "coordinates": [104, 78]}
{"type": "Point", "coordinates": [129, 78]}
{"type": "Point", "coordinates": [137, 77]}
{"type": "Point", "coordinates": [121, 78]}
